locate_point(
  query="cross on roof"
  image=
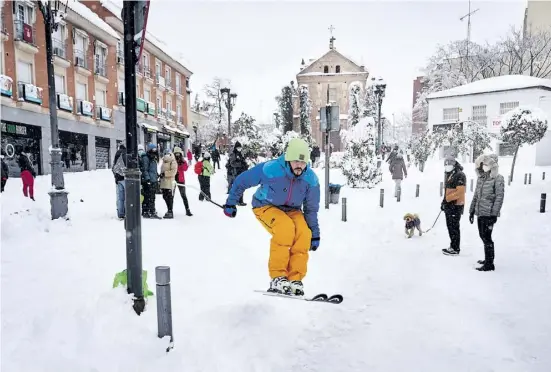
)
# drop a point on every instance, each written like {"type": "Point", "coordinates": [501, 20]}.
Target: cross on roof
{"type": "Point", "coordinates": [331, 28]}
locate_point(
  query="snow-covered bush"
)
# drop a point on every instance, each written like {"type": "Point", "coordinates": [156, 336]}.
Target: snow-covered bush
{"type": "Point", "coordinates": [305, 110]}
{"type": "Point", "coordinates": [523, 126]}
{"type": "Point", "coordinates": [359, 163]}
{"type": "Point", "coordinates": [354, 107]}
{"type": "Point", "coordinates": [248, 134]}
{"type": "Point", "coordinates": [422, 146]}
{"type": "Point", "coordinates": [281, 140]}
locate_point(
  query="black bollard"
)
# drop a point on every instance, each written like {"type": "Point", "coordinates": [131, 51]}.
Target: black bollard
{"type": "Point", "coordinates": [542, 202]}
{"type": "Point", "coordinates": [417, 191]}
{"type": "Point", "coordinates": [164, 304]}
{"type": "Point", "coordinates": [509, 180]}
{"type": "Point", "coordinates": [382, 198]}
{"type": "Point", "coordinates": [343, 209]}
{"type": "Point", "coordinates": [543, 176]}
{"type": "Point", "coordinates": [529, 178]}
{"type": "Point", "coordinates": [525, 178]}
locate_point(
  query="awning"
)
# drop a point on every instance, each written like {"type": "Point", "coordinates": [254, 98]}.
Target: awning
{"type": "Point", "coordinates": [169, 128]}
{"type": "Point", "coordinates": [150, 128]}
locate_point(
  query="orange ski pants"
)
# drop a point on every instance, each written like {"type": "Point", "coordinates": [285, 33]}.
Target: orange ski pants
{"type": "Point", "coordinates": [291, 239]}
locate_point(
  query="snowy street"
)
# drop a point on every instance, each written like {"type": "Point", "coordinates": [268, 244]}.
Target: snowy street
{"type": "Point", "coordinates": [406, 307]}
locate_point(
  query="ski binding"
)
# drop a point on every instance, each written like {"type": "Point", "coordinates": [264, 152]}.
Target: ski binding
{"type": "Point", "coordinates": [322, 297]}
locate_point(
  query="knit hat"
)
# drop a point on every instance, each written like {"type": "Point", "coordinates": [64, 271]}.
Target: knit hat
{"type": "Point", "coordinates": [450, 160]}
{"type": "Point", "coordinates": [297, 150]}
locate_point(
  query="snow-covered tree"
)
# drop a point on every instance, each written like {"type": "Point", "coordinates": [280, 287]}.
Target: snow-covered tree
{"type": "Point", "coordinates": [246, 131]}
{"type": "Point", "coordinates": [285, 103]}
{"type": "Point", "coordinates": [422, 146]}
{"type": "Point", "coordinates": [399, 130]}
{"type": "Point", "coordinates": [354, 104]}
{"type": "Point", "coordinates": [305, 111]}
{"type": "Point", "coordinates": [478, 137]}
{"type": "Point", "coordinates": [523, 126]}
{"type": "Point", "coordinates": [359, 162]}
{"type": "Point", "coordinates": [454, 137]}
{"type": "Point", "coordinates": [369, 101]}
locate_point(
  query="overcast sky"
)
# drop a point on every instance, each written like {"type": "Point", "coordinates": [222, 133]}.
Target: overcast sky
{"type": "Point", "coordinates": [259, 44]}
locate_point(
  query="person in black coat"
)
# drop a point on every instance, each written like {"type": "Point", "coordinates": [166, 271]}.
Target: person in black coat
{"type": "Point", "coordinates": [235, 166]}
{"type": "Point", "coordinates": [5, 171]}
{"type": "Point", "coordinates": [119, 166]}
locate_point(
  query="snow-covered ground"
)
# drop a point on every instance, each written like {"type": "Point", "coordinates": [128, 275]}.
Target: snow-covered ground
{"type": "Point", "coordinates": [407, 307]}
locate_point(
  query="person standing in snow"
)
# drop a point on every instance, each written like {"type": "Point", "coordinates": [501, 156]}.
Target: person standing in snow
{"type": "Point", "coordinates": [150, 179]}
{"type": "Point", "coordinates": [27, 173]}
{"type": "Point", "coordinates": [189, 156]}
{"type": "Point", "coordinates": [486, 204]}
{"type": "Point", "coordinates": [235, 166]}
{"type": "Point", "coordinates": [5, 171]}
{"type": "Point", "coordinates": [287, 184]}
{"type": "Point", "coordinates": [119, 166]}
{"type": "Point", "coordinates": [398, 170]}
{"type": "Point", "coordinates": [453, 203]}
{"type": "Point", "coordinates": [392, 155]}
{"type": "Point", "coordinates": [204, 176]}
{"type": "Point", "coordinates": [169, 168]}
{"type": "Point", "coordinates": [215, 154]}
{"type": "Point", "coordinates": [180, 176]}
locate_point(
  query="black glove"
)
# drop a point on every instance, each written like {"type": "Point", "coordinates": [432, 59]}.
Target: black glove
{"type": "Point", "coordinates": [314, 244]}
{"type": "Point", "coordinates": [471, 218]}
{"type": "Point", "coordinates": [162, 175]}
{"type": "Point", "coordinates": [492, 220]}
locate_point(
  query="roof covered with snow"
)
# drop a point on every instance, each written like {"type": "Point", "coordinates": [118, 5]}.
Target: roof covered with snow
{"type": "Point", "coordinates": [495, 84]}
{"type": "Point", "coordinates": [306, 66]}
{"type": "Point", "coordinates": [115, 7]}
{"type": "Point", "coordinates": [83, 11]}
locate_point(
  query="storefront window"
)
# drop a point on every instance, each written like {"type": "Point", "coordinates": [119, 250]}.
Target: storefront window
{"type": "Point", "coordinates": [17, 138]}
{"type": "Point", "coordinates": [74, 147]}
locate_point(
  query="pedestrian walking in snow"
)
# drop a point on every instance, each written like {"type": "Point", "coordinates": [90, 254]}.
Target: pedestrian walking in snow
{"type": "Point", "coordinates": [189, 156]}
{"type": "Point", "coordinates": [235, 166]}
{"type": "Point", "coordinates": [398, 171]}
{"type": "Point", "coordinates": [150, 180]}
{"type": "Point", "coordinates": [119, 167]}
{"type": "Point", "coordinates": [27, 173]}
{"type": "Point", "coordinates": [453, 203]}
{"type": "Point", "coordinates": [392, 155]}
{"type": "Point", "coordinates": [486, 204]}
{"type": "Point", "coordinates": [204, 170]}
{"type": "Point", "coordinates": [5, 171]}
{"type": "Point", "coordinates": [180, 176]}
{"type": "Point", "coordinates": [169, 168]}
{"type": "Point", "coordinates": [287, 184]}
{"type": "Point", "coordinates": [215, 154]}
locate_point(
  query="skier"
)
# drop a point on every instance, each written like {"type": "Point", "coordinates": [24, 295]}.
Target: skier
{"type": "Point", "coordinates": [453, 203]}
{"type": "Point", "coordinates": [286, 184]}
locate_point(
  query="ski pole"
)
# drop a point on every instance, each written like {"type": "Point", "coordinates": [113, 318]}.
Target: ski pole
{"type": "Point", "coordinates": [437, 217]}
{"type": "Point", "coordinates": [205, 195]}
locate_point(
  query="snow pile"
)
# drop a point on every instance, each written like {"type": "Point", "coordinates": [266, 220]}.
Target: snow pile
{"type": "Point", "coordinates": [494, 84]}
{"type": "Point", "coordinates": [92, 17]}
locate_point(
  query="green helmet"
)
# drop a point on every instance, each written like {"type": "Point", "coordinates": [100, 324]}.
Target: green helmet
{"type": "Point", "coordinates": [297, 150]}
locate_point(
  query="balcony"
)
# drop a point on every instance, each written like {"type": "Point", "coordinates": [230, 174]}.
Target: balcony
{"type": "Point", "coordinates": [85, 108]}
{"type": "Point", "coordinates": [147, 74]}
{"type": "Point", "coordinates": [81, 63]}
{"type": "Point", "coordinates": [64, 102]}
{"type": "Point", "coordinates": [29, 93]}
{"type": "Point", "coordinates": [161, 114]}
{"type": "Point", "coordinates": [100, 72]}
{"type": "Point", "coordinates": [25, 37]}
{"type": "Point", "coordinates": [160, 82]}
{"type": "Point", "coordinates": [60, 53]}
{"type": "Point", "coordinates": [120, 57]}
{"type": "Point", "coordinates": [103, 113]}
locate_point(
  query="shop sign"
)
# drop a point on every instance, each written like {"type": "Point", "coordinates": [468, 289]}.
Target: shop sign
{"type": "Point", "coordinates": [163, 136]}
{"type": "Point", "coordinates": [86, 108]}
{"type": "Point", "coordinates": [140, 104]}
{"type": "Point", "coordinates": [105, 113]}
{"type": "Point", "coordinates": [6, 83]}
{"type": "Point", "coordinates": [14, 129]}
{"type": "Point", "coordinates": [32, 93]}
{"type": "Point", "coordinates": [65, 102]}
{"type": "Point", "coordinates": [150, 108]}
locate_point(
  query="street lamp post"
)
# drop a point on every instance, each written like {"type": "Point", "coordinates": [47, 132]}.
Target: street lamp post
{"type": "Point", "coordinates": [53, 14]}
{"type": "Point", "coordinates": [380, 88]}
{"type": "Point", "coordinates": [230, 103]}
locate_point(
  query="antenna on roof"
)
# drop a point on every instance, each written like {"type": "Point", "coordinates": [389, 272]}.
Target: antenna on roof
{"type": "Point", "coordinates": [468, 16]}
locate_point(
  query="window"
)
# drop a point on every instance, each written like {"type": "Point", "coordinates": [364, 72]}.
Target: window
{"type": "Point", "coordinates": [179, 111]}
{"type": "Point", "coordinates": [120, 86]}
{"type": "Point", "coordinates": [332, 94]}
{"type": "Point", "coordinates": [159, 104]}
{"type": "Point", "coordinates": [325, 69]}
{"type": "Point", "coordinates": [59, 34]}
{"type": "Point", "coordinates": [101, 98]}
{"type": "Point", "coordinates": [507, 106]}
{"type": "Point", "coordinates": [81, 92]}
{"type": "Point", "coordinates": [451, 114]}
{"type": "Point", "coordinates": [338, 69]}
{"type": "Point", "coordinates": [60, 84]}
{"type": "Point", "coordinates": [178, 83]}
{"type": "Point", "coordinates": [25, 13]}
{"type": "Point", "coordinates": [479, 114]}
{"type": "Point", "coordinates": [101, 56]}
{"type": "Point", "coordinates": [79, 50]}
{"type": "Point", "coordinates": [147, 95]}
{"type": "Point", "coordinates": [168, 106]}
{"type": "Point", "coordinates": [145, 60]}
{"type": "Point", "coordinates": [24, 72]}
{"type": "Point", "coordinates": [158, 69]}
{"type": "Point", "coordinates": [167, 73]}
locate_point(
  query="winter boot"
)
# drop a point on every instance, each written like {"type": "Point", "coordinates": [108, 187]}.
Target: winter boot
{"type": "Point", "coordinates": [280, 285]}
{"type": "Point", "coordinates": [450, 252]}
{"type": "Point", "coordinates": [481, 262]}
{"type": "Point", "coordinates": [297, 288]}
{"type": "Point", "coordinates": [488, 263]}
{"type": "Point", "coordinates": [168, 215]}
{"type": "Point", "coordinates": [188, 213]}
{"type": "Point", "coordinates": [486, 267]}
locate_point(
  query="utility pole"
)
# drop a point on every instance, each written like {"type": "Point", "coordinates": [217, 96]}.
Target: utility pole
{"type": "Point", "coordinates": [468, 16]}
{"type": "Point", "coordinates": [52, 14]}
{"type": "Point", "coordinates": [327, 147]}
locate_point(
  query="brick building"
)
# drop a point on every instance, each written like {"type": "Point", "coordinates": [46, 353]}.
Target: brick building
{"type": "Point", "coordinates": [89, 77]}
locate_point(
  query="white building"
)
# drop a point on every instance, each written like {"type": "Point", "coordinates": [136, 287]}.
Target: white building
{"type": "Point", "coordinates": [486, 101]}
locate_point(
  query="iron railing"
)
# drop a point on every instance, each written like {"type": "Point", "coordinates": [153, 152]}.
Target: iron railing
{"type": "Point", "coordinates": [80, 59]}
{"type": "Point", "coordinates": [24, 32]}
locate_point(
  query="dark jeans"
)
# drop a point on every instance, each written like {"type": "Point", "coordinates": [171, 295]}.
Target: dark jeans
{"type": "Point", "coordinates": [452, 222]}
{"type": "Point", "coordinates": [214, 162]}
{"type": "Point", "coordinates": [169, 199]}
{"type": "Point", "coordinates": [184, 196]}
{"type": "Point", "coordinates": [485, 228]}
{"type": "Point", "coordinates": [148, 205]}
{"type": "Point", "coordinates": [4, 183]}
{"type": "Point", "coordinates": [204, 182]}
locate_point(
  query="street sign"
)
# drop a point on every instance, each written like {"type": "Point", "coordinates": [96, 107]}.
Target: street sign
{"type": "Point", "coordinates": [334, 119]}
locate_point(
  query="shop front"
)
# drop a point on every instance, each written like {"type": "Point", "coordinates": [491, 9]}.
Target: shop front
{"type": "Point", "coordinates": [103, 148]}
{"type": "Point", "coordinates": [74, 148]}
{"type": "Point", "coordinates": [163, 142]}
{"type": "Point", "coordinates": [17, 138]}
{"type": "Point", "coordinates": [149, 133]}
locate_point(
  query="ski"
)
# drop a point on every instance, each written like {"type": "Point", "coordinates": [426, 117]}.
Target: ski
{"type": "Point", "coordinates": [321, 297]}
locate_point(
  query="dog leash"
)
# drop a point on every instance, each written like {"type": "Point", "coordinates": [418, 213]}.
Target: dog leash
{"type": "Point", "coordinates": [437, 217]}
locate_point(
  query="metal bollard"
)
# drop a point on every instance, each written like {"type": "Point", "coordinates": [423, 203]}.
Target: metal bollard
{"type": "Point", "coordinates": [542, 202]}
{"type": "Point", "coordinates": [441, 188]}
{"type": "Point", "coordinates": [529, 178]}
{"type": "Point", "coordinates": [417, 191]}
{"type": "Point", "coordinates": [472, 184]}
{"type": "Point", "coordinates": [399, 195]}
{"type": "Point", "coordinates": [382, 198]}
{"type": "Point", "coordinates": [164, 304]}
{"type": "Point", "coordinates": [509, 180]}
{"type": "Point", "coordinates": [343, 209]}
{"type": "Point", "coordinates": [525, 178]}
{"type": "Point", "coordinates": [543, 176]}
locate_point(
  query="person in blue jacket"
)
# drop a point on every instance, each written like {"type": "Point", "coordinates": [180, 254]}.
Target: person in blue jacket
{"type": "Point", "coordinates": [287, 205]}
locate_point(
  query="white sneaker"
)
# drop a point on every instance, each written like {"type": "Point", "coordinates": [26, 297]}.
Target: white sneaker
{"type": "Point", "coordinates": [297, 288]}
{"type": "Point", "coordinates": [280, 285]}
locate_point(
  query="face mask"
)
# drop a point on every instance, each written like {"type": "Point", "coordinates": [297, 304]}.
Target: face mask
{"type": "Point", "coordinates": [238, 149]}
{"type": "Point", "coordinates": [448, 168]}
{"type": "Point", "coordinates": [485, 168]}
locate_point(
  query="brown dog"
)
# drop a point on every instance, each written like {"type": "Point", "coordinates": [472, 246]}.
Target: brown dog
{"type": "Point", "coordinates": [412, 222]}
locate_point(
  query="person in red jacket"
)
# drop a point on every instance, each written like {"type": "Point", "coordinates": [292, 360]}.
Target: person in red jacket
{"type": "Point", "coordinates": [180, 177]}
{"type": "Point", "coordinates": [189, 155]}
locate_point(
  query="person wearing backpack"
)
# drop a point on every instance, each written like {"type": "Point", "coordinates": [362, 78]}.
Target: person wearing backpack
{"type": "Point", "coordinates": [204, 169]}
{"type": "Point", "coordinates": [119, 166]}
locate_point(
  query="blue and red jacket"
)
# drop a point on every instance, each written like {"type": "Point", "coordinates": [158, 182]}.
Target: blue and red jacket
{"type": "Point", "coordinates": [281, 188]}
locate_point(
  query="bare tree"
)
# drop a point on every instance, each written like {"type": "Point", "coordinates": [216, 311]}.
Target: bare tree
{"type": "Point", "coordinates": [216, 104]}
{"type": "Point", "coordinates": [526, 53]}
